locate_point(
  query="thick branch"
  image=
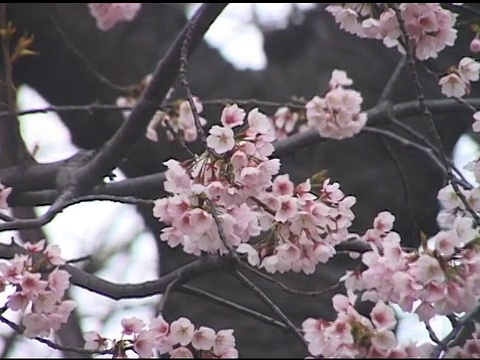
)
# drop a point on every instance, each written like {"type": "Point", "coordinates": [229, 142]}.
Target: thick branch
{"type": "Point", "coordinates": [42, 176]}
{"type": "Point", "coordinates": [162, 80]}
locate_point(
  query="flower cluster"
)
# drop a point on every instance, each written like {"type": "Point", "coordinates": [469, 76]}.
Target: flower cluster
{"type": "Point", "coordinates": [443, 277]}
{"type": "Point", "coordinates": [305, 227]}
{"type": "Point", "coordinates": [221, 180]}
{"type": "Point", "coordinates": [233, 179]}
{"type": "Point", "coordinates": [38, 283]}
{"type": "Point", "coordinates": [352, 335]}
{"type": "Point", "coordinates": [338, 115]}
{"type": "Point", "coordinates": [108, 15]}
{"type": "Point", "coordinates": [457, 82]}
{"type": "Point", "coordinates": [430, 27]}
{"type": "Point", "coordinates": [4, 193]}
{"type": "Point", "coordinates": [179, 339]}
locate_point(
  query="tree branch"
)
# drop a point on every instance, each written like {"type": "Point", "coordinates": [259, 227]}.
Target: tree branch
{"type": "Point", "coordinates": [162, 79]}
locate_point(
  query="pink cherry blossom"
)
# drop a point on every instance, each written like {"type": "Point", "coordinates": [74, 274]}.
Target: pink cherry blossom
{"type": "Point", "coordinates": [36, 325]}
{"type": "Point", "coordinates": [45, 302]}
{"type": "Point", "coordinates": [32, 283]}
{"type": "Point", "coordinates": [468, 69]}
{"type": "Point", "coordinates": [132, 325]}
{"type": "Point", "coordinates": [230, 353]}
{"type": "Point", "coordinates": [35, 247]}
{"type": "Point", "coordinates": [282, 185]}
{"type": "Point", "coordinates": [157, 119]}
{"type": "Point", "coordinates": [181, 353]}
{"type": "Point", "coordinates": [453, 85]}
{"type": "Point", "coordinates": [58, 282]}
{"type": "Point", "coordinates": [181, 331]}
{"type": "Point", "coordinates": [203, 338]}
{"type": "Point", "coordinates": [159, 327]}
{"type": "Point", "coordinates": [287, 208]}
{"type": "Point", "coordinates": [475, 45]}
{"type": "Point", "coordinates": [18, 301]}
{"type": "Point", "coordinates": [108, 15]}
{"type": "Point", "coordinates": [144, 343]}
{"type": "Point", "coordinates": [339, 78]}
{"type": "Point", "coordinates": [476, 124]}
{"type": "Point", "coordinates": [384, 221]}
{"type": "Point", "coordinates": [429, 27]}
{"type": "Point", "coordinates": [338, 115]}
{"type": "Point", "coordinates": [448, 197]}
{"type": "Point", "coordinates": [220, 139]}
{"type": "Point", "coordinates": [52, 255]}
{"type": "Point", "coordinates": [232, 116]}
{"type": "Point", "coordinates": [284, 121]}
{"type": "Point", "coordinates": [383, 317]}
{"type": "Point", "coordinates": [223, 341]}
{"type": "Point", "coordinates": [258, 122]}
{"type": "Point", "coordinates": [4, 193]}
{"type": "Point", "coordinates": [445, 242]}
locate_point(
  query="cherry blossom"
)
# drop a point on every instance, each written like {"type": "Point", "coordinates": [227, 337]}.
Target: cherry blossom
{"type": "Point", "coordinates": [232, 116]}
{"type": "Point", "coordinates": [179, 339]}
{"type": "Point", "coordinates": [468, 69]}
{"type": "Point", "coordinates": [338, 115]}
{"type": "Point", "coordinates": [453, 85]}
{"type": "Point", "coordinates": [284, 121]}
{"type": "Point", "coordinates": [352, 335]}
{"type": "Point", "coordinates": [475, 45]}
{"type": "Point", "coordinates": [4, 193]}
{"type": "Point", "coordinates": [132, 325]}
{"type": "Point", "coordinates": [220, 139]}
{"type": "Point", "coordinates": [430, 28]}
{"type": "Point", "coordinates": [181, 331]}
{"type": "Point", "coordinates": [41, 293]}
{"type": "Point", "coordinates": [476, 124]}
{"type": "Point", "coordinates": [108, 15]}
{"type": "Point", "coordinates": [203, 338]}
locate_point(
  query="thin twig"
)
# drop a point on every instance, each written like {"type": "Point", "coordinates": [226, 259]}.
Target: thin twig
{"type": "Point", "coordinates": [79, 259]}
{"type": "Point", "coordinates": [171, 287]}
{"type": "Point", "coordinates": [267, 301]}
{"type": "Point", "coordinates": [190, 290]}
{"type": "Point", "coordinates": [112, 107]}
{"type": "Point", "coordinates": [88, 65]}
{"type": "Point", "coordinates": [462, 180]}
{"type": "Point", "coordinates": [433, 336]}
{"type": "Point", "coordinates": [178, 139]}
{"type": "Point", "coordinates": [221, 233]}
{"type": "Point", "coordinates": [184, 81]}
{"type": "Point", "coordinates": [408, 143]}
{"type": "Point", "coordinates": [406, 190]}
{"type": "Point", "coordinates": [287, 288]}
